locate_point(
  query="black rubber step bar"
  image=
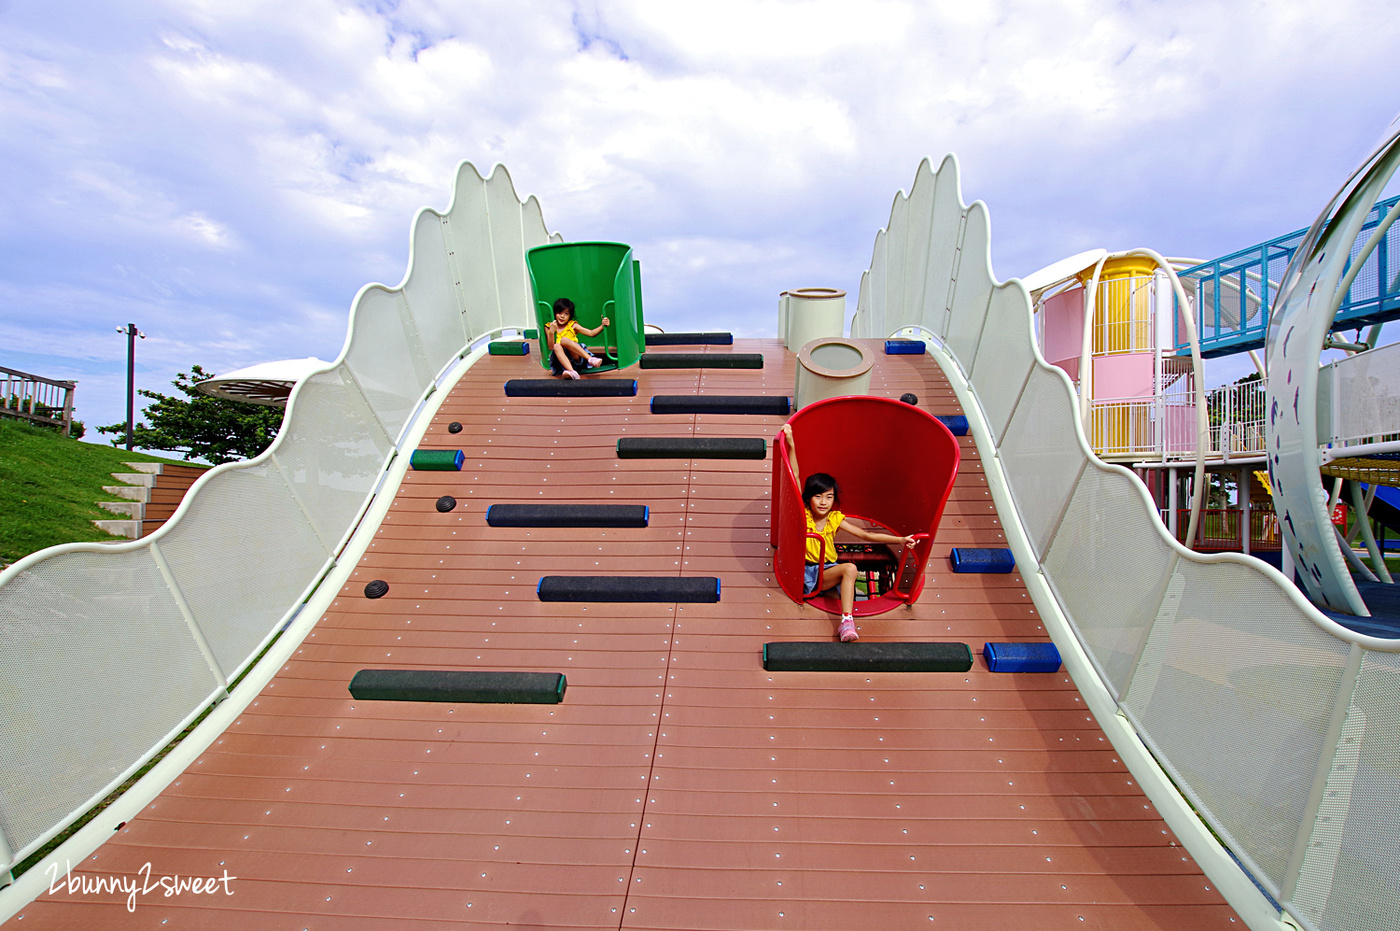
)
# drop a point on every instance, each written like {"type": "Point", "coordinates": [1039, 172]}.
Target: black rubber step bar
{"type": "Point", "coordinates": [721, 404]}
{"type": "Point", "coordinates": [571, 388]}
{"type": "Point", "coordinates": [567, 515]}
{"type": "Point", "coordinates": [831, 656]}
{"type": "Point", "coordinates": [665, 589]}
{"type": "Point", "coordinates": [459, 685]}
{"type": "Point", "coordinates": [691, 447]}
{"type": "Point", "coordinates": [690, 339]}
{"type": "Point", "coordinates": [702, 360]}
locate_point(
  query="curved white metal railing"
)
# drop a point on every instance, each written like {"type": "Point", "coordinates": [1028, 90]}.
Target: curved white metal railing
{"type": "Point", "coordinates": [1278, 725]}
{"type": "Point", "coordinates": [110, 651]}
{"type": "Point", "coordinates": [1318, 280]}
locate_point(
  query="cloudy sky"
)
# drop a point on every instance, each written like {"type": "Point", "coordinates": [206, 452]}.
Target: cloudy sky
{"type": "Point", "coordinates": [226, 174]}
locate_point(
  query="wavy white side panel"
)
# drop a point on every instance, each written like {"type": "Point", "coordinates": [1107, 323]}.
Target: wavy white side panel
{"type": "Point", "coordinates": [109, 651]}
{"type": "Point", "coordinates": [1258, 707]}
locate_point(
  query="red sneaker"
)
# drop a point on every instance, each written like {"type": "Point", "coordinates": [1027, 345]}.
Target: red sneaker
{"type": "Point", "coordinates": [847, 630]}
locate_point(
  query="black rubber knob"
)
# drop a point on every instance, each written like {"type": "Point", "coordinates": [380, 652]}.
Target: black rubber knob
{"type": "Point", "coordinates": [376, 589]}
{"type": "Point", "coordinates": [910, 398]}
{"type": "Point", "coordinates": [454, 427]}
{"type": "Point", "coordinates": [446, 503]}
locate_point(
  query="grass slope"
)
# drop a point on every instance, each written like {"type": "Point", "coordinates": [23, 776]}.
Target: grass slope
{"type": "Point", "coordinates": [50, 486]}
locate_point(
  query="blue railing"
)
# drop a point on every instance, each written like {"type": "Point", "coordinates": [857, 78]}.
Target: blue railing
{"type": "Point", "coordinates": [1233, 294]}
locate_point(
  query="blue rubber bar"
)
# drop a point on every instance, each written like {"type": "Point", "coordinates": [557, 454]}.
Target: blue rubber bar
{"type": "Point", "coordinates": [975, 559]}
{"type": "Point", "coordinates": [905, 347]}
{"type": "Point", "coordinates": [956, 423]}
{"type": "Point", "coordinates": [1021, 657]}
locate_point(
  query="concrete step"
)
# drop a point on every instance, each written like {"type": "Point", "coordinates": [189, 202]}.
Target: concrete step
{"type": "Point", "coordinates": [136, 478]}
{"type": "Point", "coordinates": [134, 494]}
{"type": "Point", "coordinates": [130, 492]}
{"type": "Point", "coordinates": [132, 509]}
{"type": "Point", "coordinates": [131, 529]}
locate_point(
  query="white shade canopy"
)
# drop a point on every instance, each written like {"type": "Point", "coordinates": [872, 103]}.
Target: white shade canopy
{"type": "Point", "coordinates": [267, 383]}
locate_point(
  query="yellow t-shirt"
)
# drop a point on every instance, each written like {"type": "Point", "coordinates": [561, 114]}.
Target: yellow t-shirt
{"type": "Point", "coordinates": [833, 522]}
{"type": "Point", "coordinates": [567, 332]}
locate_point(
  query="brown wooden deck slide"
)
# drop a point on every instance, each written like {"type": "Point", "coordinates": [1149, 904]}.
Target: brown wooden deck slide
{"type": "Point", "coordinates": [678, 785]}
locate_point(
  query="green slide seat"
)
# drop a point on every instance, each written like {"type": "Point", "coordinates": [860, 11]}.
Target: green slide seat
{"type": "Point", "coordinates": [603, 280]}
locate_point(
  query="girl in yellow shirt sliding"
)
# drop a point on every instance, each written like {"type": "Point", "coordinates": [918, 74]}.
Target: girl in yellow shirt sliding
{"type": "Point", "coordinates": [561, 340]}
{"type": "Point", "coordinates": [820, 495]}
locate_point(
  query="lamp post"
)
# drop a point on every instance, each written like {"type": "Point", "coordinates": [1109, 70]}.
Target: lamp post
{"type": "Point", "coordinates": [131, 334]}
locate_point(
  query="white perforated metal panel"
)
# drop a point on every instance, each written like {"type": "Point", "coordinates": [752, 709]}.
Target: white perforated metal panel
{"type": "Point", "coordinates": [1366, 396]}
{"type": "Point", "coordinates": [388, 363]}
{"type": "Point", "coordinates": [1109, 566]}
{"type": "Point", "coordinates": [468, 241]}
{"type": "Point", "coordinates": [98, 666]}
{"type": "Point", "coordinates": [1004, 357]}
{"type": "Point", "coordinates": [431, 294]}
{"type": "Point", "coordinates": [343, 453]}
{"type": "Point", "coordinates": [898, 307]}
{"type": "Point", "coordinates": [861, 324]}
{"type": "Point", "coordinates": [1351, 869]}
{"type": "Point", "coordinates": [508, 257]}
{"type": "Point", "coordinates": [1234, 696]}
{"type": "Point", "coordinates": [241, 569]}
{"type": "Point", "coordinates": [944, 232]}
{"type": "Point", "coordinates": [880, 321]}
{"type": "Point", "coordinates": [918, 297]}
{"type": "Point", "coordinates": [972, 290]}
{"type": "Point", "coordinates": [1041, 455]}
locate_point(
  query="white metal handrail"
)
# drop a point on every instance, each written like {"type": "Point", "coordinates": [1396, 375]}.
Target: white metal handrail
{"type": "Point", "coordinates": [1272, 721]}
{"type": "Point", "coordinates": [159, 626]}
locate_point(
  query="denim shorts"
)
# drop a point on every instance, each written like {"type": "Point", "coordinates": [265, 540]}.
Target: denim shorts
{"type": "Point", "coordinates": [811, 575]}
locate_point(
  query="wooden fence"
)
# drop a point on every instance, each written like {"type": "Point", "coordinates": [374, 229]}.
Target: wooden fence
{"type": "Point", "coordinates": [35, 398]}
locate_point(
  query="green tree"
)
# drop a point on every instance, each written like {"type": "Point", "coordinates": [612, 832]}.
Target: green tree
{"type": "Point", "coordinates": [200, 426]}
